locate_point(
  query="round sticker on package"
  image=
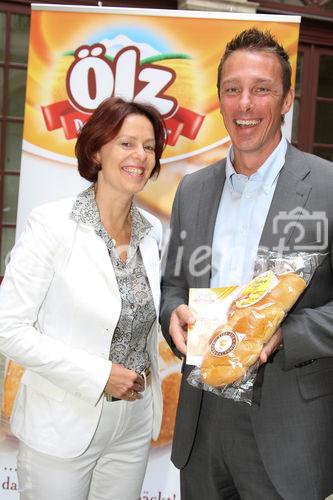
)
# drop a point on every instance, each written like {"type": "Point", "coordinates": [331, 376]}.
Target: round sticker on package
{"type": "Point", "coordinates": [224, 343]}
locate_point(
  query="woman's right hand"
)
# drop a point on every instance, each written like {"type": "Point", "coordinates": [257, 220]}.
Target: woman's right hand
{"type": "Point", "coordinates": [124, 383]}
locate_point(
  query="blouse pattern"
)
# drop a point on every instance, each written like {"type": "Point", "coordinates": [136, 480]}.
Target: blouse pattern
{"type": "Point", "coordinates": [129, 342]}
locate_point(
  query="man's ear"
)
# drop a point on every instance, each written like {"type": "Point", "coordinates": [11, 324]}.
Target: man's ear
{"type": "Point", "coordinates": [288, 101]}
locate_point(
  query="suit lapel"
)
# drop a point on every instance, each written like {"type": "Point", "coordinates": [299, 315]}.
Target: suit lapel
{"type": "Point", "coordinates": [210, 195]}
{"type": "Point", "coordinates": [288, 203]}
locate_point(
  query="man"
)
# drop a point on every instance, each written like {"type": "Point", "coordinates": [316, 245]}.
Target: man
{"type": "Point", "coordinates": [281, 446]}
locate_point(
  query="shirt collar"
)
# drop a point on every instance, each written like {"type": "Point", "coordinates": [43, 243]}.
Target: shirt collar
{"type": "Point", "coordinates": [266, 174]}
{"type": "Point", "coordinates": [85, 210]}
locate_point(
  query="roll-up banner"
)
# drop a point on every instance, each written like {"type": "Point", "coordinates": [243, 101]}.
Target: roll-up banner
{"type": "Point", "coordinates": [78, 56]}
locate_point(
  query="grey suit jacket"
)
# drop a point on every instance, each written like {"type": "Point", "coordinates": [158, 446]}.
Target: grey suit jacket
{"type": "Point", "coordinates": [293, 423]}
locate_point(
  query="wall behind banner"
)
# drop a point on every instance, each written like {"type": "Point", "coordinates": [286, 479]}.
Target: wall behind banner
{"type": "Point", "coordinates": [104, 52]}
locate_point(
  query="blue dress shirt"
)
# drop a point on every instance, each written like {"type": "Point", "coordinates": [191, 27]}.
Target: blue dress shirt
{"type": "Point", "coordinates": [241, 216]}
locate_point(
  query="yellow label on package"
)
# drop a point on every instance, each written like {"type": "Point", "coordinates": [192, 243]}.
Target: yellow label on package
{"type": "Point", "coordinates": [257, 289]}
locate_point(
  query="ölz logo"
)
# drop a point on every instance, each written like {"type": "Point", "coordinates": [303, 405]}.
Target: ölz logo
{"type": "Point", "coordinates": [92, 77]}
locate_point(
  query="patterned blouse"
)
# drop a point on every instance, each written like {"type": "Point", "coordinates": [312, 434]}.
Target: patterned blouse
{"type": "Point", "coordinates": [129, 341]}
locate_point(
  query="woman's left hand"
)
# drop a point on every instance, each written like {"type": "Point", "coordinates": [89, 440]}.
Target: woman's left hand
{"type": "Point", "coordinates": [124, 383]}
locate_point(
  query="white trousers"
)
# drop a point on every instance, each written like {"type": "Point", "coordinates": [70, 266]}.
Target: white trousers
{"type": "Point", "coordinates": [112, 467]}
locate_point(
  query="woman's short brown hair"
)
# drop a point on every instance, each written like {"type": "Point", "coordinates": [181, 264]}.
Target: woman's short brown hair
{"type": "Point", "coordinates": [104, 124]}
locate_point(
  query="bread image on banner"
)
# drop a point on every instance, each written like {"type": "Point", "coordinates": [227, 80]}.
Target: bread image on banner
{"type": "Point", "coordinates": [233, 323]}
{"type": "Point", "coordinates": [171, 378]}
{"type": "Point", "coordinates": [12, 378]}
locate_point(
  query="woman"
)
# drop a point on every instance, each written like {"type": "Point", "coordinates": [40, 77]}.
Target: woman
{"type": "Point", "coordinates": [78, 309]}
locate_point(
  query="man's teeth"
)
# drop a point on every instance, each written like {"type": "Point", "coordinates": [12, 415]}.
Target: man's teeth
{"type": "Point", "coordinates": [245, 123]}
{"type": "Point", "coordinates": [133, 170]}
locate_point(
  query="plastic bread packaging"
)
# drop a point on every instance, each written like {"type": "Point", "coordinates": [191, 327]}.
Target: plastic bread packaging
{"type": "Point", "coordinates": [234, 323]}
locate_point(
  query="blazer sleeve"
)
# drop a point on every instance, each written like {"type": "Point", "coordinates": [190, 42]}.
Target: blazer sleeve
{"type": "Point", "coordinates": [28, 277]}
{"type": "Point", "coordinates": [174, 282]}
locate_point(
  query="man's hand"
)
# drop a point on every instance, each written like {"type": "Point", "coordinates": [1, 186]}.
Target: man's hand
{"type": "Point", "coordinates": [272, 345]}
{"type": "Point", "coordinates": [123, 383]}
{"type": "Point", "coordinates": [180, 319]}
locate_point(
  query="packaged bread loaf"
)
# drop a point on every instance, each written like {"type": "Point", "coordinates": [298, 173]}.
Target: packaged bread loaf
{"type": "Point", "coordinates": [234, 323]}
{"type": "Point", "coordinates": [252, 319]}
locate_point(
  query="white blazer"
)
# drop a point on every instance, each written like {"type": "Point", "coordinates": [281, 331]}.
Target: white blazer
{"type": "Point", "coordinates": [59, 306]}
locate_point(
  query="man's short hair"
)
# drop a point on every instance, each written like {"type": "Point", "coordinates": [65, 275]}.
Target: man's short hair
{"type": "Point", "coordinates": [254, 39]}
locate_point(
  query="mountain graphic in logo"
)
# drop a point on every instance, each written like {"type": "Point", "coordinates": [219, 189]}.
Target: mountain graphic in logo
{"type": "Point", "coordinates": [121, 41]}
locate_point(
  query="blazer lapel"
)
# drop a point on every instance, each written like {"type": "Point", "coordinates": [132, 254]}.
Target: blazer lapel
{"type": "Point", "coordinates": [288, 203]}
{"type": "Point", "coordinates": [94, 248]}
{"type": "Point", "coordinates": [151, 261]}
{"type": "Point", "coordinates": [96, 256]}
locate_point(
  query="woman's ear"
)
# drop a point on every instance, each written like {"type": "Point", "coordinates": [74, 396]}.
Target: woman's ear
{"type": "Point", "coordinates": [97, 158]}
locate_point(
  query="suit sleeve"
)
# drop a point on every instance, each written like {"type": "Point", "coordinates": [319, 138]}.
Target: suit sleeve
{"type": "Point", "coordinates": [308, 332]}
{"type": "Point", "coordinates": [28, 277]}
{"type": "Point", "coordinates": [308, 335]}
{"type": "Point", "coordinates": [174, 282]}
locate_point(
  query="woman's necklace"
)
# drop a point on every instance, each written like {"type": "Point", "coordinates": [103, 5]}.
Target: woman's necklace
{"type": "Point", "coordinates": [114, 236]}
